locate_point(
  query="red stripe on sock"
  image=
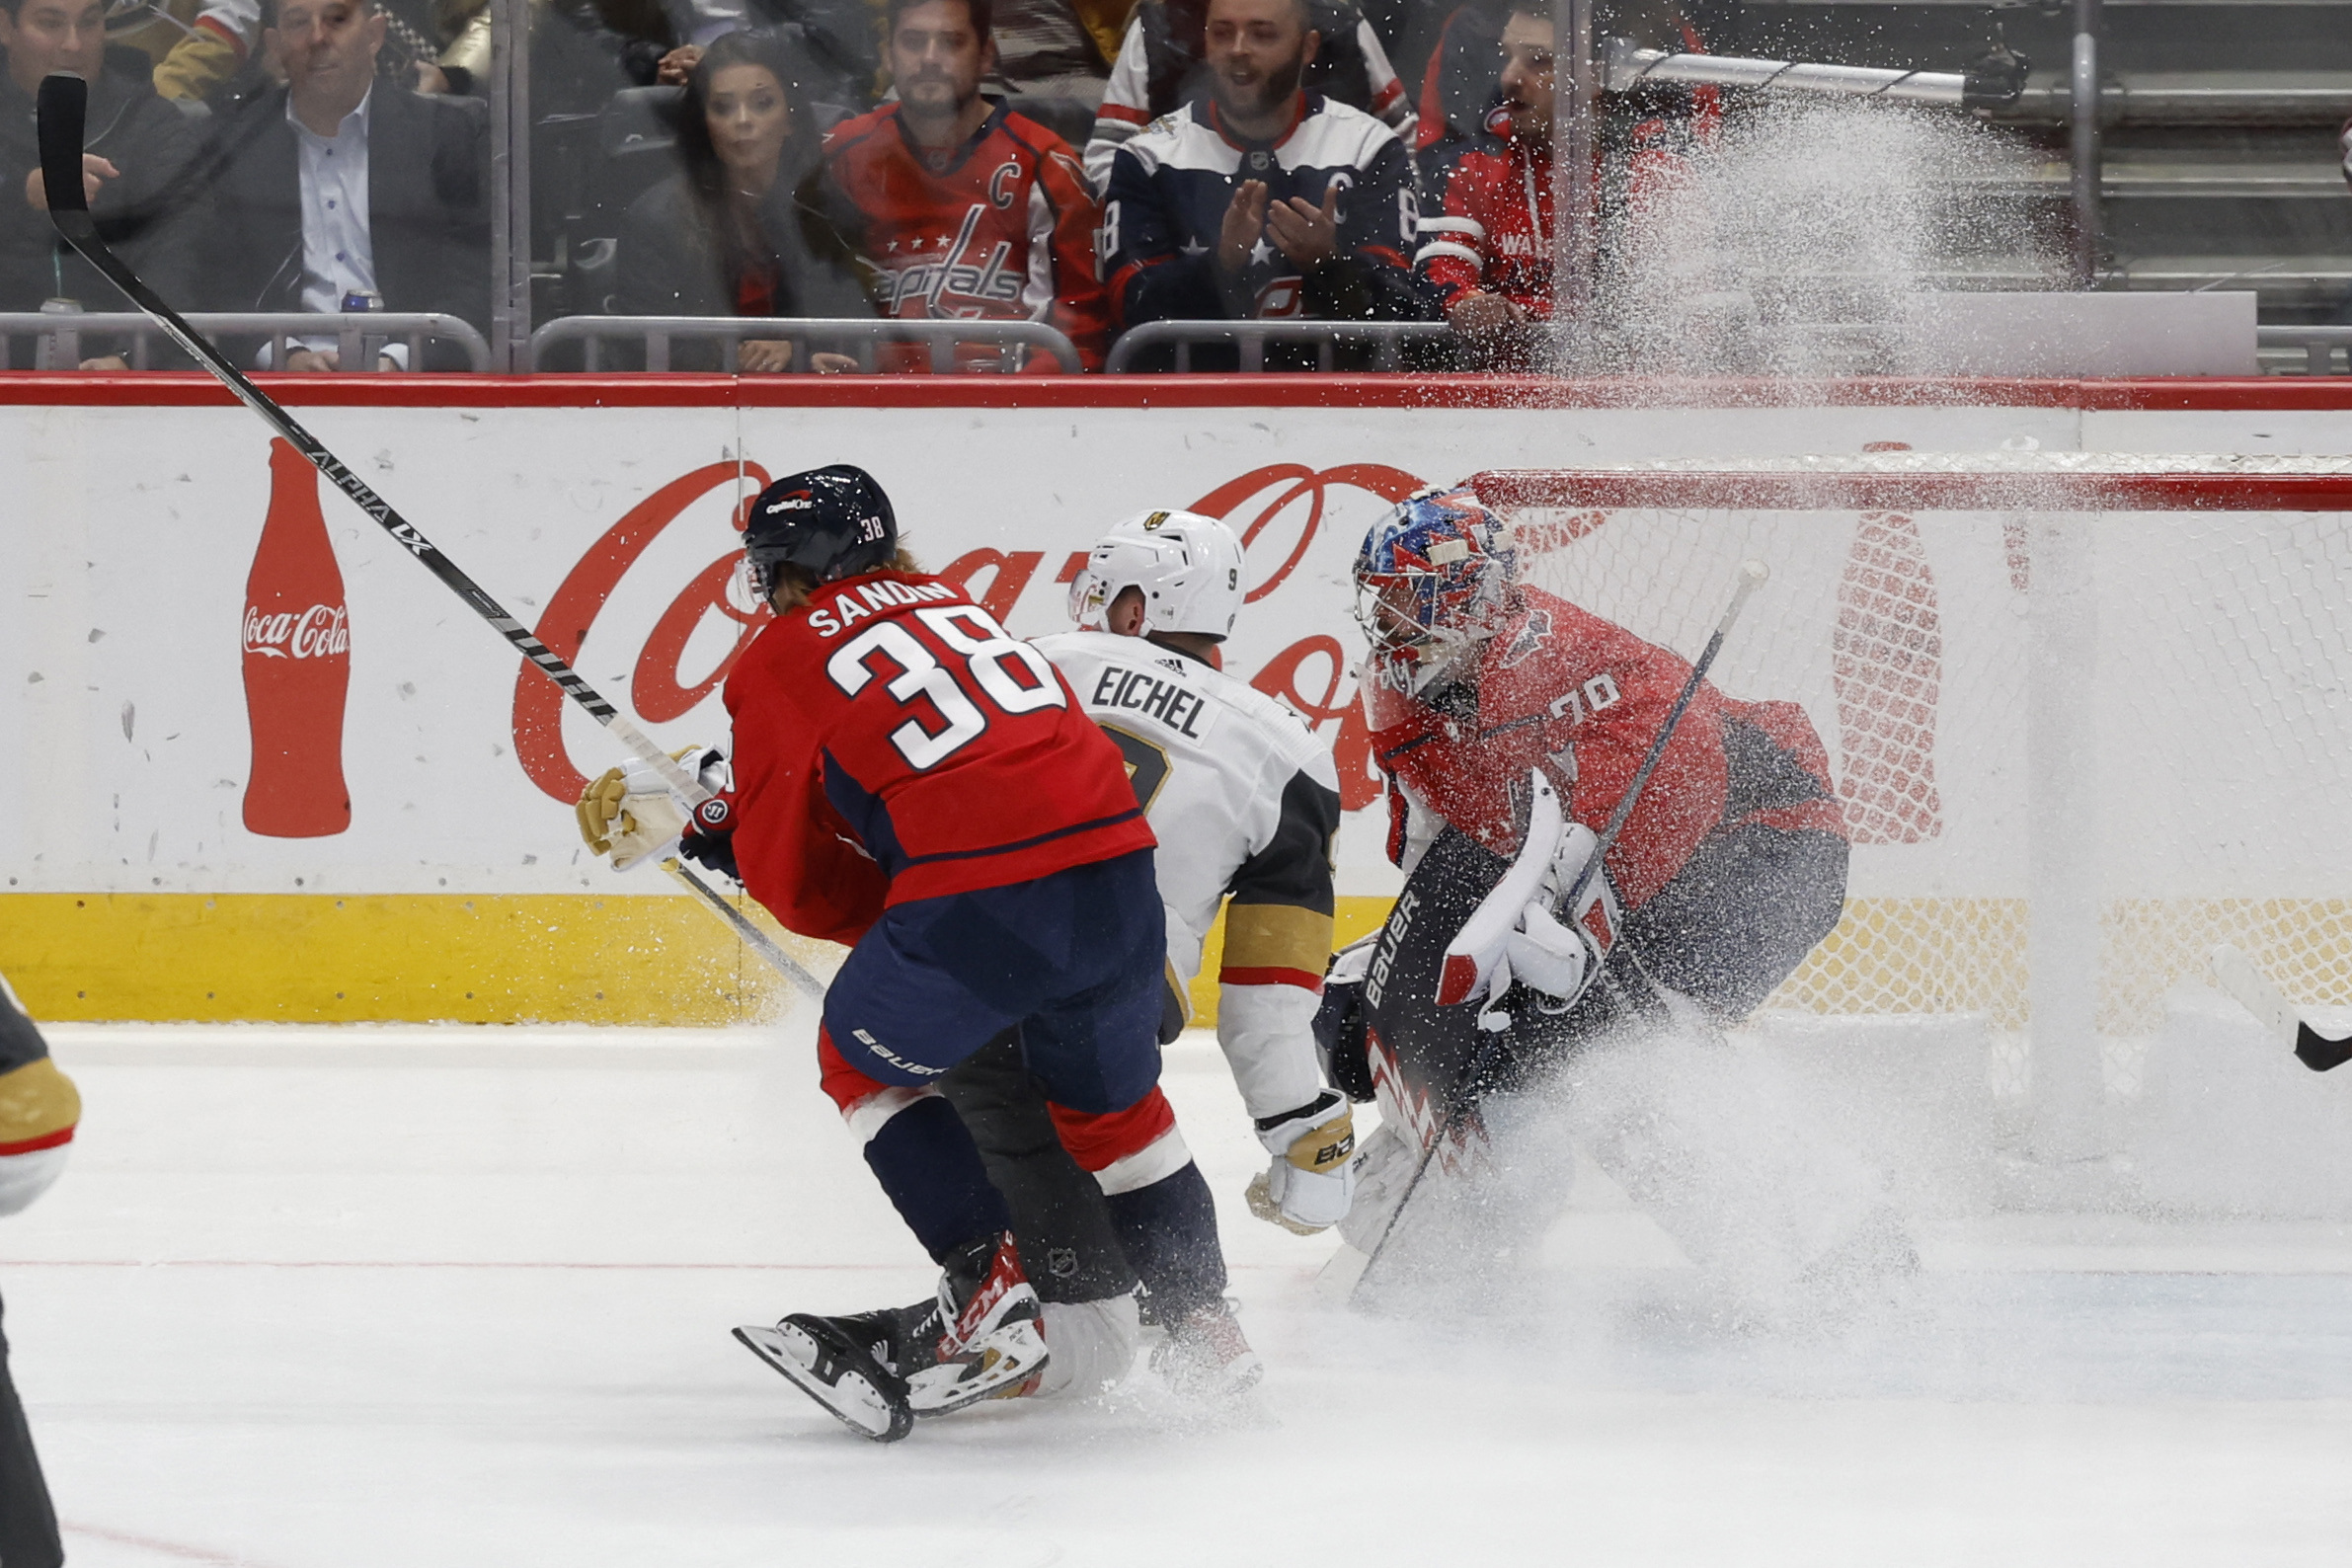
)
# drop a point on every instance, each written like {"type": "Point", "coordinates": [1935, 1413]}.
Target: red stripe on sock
{"type": "Point", "coordinates": [1098, 1143]}
{"type": "Point", "coordinates": [1305, 980]}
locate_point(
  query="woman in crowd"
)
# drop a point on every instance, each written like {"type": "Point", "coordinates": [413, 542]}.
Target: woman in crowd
{"type": "Point", "coordinates": [739, 231]}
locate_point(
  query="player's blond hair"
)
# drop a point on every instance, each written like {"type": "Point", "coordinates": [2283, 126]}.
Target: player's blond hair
{"type": "Point", "coordinates": [795, 584]}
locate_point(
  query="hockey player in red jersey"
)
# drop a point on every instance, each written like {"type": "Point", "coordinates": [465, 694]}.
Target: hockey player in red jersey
{"type": "Point", "coordinates": [911, 781]}
{"type": "Point", "coordinates": [1490, 701]}
{"type": "Point", "coordinates": [966, 209]}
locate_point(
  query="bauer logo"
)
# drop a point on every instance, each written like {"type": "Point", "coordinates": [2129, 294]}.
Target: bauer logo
{"type": "Point", "coordinates": [319, 632]}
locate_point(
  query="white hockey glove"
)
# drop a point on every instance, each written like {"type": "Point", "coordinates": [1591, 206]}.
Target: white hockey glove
{"type": "Point", "coordinates": [1312, 1179]}
{"type": "Point", "coordinates": [1517, 933]}
{"type": "Point", "coordinates": [629, 812]}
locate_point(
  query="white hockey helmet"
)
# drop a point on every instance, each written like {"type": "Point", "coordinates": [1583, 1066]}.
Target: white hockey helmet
{"type": "Point", "coordinates": [1188, 567]}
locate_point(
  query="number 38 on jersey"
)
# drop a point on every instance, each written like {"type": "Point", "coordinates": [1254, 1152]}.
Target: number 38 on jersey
{"type": "Point", "coordinates": [919, 658]}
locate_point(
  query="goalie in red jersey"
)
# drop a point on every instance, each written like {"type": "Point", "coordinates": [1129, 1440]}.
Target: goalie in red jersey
{"type": "Point", "coordinates": [1511, 724]}
{"type": "Point", "coordinates": [911, 781]}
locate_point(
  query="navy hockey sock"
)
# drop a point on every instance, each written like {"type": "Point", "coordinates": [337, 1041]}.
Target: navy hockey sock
{"type": "Point", "coordinates": [927, 1164]}
{"type": "Point", "coordinates": [1169, 1231]}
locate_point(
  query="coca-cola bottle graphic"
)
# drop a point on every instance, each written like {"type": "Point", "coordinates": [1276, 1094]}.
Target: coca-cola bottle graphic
{"type": "Point", "coordinates": [297, 663]}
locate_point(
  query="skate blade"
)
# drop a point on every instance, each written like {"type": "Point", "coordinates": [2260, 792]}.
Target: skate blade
{"type": "Point", "coordinates": [998, 1372]}
{"type": "Point", "coordinates": [852, 1396]}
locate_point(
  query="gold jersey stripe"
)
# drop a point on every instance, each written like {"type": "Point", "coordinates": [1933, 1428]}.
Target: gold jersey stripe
{"type": "Point", "coordinates": [1277, 936]}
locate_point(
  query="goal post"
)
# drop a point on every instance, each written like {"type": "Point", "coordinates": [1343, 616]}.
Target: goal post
{"type": "Point", "coordinates": [2089, 714]}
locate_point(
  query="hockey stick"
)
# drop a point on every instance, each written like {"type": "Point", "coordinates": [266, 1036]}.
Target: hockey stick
{"type": "Point", "coordinates": [2242, 979]}
{"type": "Point", "coordinates": [63, 105]}
{"type": "Point", "coordinates": [1751, 577]}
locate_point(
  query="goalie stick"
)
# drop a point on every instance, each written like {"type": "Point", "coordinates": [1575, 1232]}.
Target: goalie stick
{"type": "Point", "coordinates": [2243, 979]}
{"type": "Point", "coordinates": [62, 107]}
{"type": "Point", "coordinates": [1751, 577]}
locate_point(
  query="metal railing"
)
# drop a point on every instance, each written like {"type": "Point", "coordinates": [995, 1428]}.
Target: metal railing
{"type": "Point", "coordinates": [360, 337]}
{"type": "Point", "coordinates": [1386, 338]}
{"type": "Point", "coordinates": [858, 337]}
{"type": "Point", "coordinates": [2317, 344]}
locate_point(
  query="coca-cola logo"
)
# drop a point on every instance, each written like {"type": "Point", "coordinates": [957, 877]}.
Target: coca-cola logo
{"type": "Point", "coordinates": [1279, 511]}
{"type": "Point", "coordinates": [323, 631]}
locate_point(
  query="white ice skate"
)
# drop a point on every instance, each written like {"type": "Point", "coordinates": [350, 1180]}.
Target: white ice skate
{"type": "Point", "coordinates": [991, 1339]}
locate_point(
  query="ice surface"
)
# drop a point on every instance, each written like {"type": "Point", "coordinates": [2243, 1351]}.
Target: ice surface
{"type": "Point", "coordinates": [368, 1298]}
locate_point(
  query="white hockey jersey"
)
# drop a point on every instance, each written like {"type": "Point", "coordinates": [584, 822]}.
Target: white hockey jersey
{"type": "Point", "coordinates": [1245, 801]}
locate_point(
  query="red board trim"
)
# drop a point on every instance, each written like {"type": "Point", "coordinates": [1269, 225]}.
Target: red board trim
{"type": "Point", "coordinates": [189, 389]}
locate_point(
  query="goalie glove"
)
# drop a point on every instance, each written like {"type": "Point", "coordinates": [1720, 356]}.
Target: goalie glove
{"type": "Point", "coordinates": [629, 812]}
{"type": "Point", "coordinates": [1517, 933]}
{"type": "Point", "coordinates": [1312, 1179]}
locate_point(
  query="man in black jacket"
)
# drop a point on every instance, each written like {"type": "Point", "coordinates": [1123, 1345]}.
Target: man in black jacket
{"type": "Point", "coordinates": [138, 150]}
{"type": "Point", "coordinates": [341, 185]}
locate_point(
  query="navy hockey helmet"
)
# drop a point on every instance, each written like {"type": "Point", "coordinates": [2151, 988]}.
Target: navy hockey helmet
{"type": "Point", "coordinates": [831, 523]}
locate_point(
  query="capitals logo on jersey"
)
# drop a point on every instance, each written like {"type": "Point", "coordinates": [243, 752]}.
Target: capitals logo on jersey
{"type": "Point", "coordinates": [1000, 228]}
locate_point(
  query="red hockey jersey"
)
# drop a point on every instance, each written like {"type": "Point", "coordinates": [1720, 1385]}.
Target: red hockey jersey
{"type": "Point", "coordinates": [892, 743]}
{"type": "Point", "coordinates": [1495, 234]}
{"type": "Point", "coordinates": [1562, 690]}
{"type": "Point", "coordinates": [1002, 231]}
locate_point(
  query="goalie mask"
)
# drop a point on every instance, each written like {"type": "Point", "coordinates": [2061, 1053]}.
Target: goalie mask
{"type": "Point", "coordinates": [1187, 566]}
{"type": "Point", "coordinates": [830, 523]}
{"type": "Point", "coordinates": [1432, 581]}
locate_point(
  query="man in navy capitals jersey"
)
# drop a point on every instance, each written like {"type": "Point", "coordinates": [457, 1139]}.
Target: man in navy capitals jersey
{"type": "Point", "coordinates": [1266, 200]}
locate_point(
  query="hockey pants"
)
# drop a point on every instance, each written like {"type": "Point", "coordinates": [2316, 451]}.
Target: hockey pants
{"type": "Point", "coordinates": [27, 1522]}
{"type": "Point", "coordinates": [1065, 972]}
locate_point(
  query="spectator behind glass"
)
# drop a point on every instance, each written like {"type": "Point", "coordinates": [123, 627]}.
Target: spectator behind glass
{"type": "Point", "coordinates": [341, 185]}
{"type": "Point", "coordinates": [837, 38]}
{"type": "Point", "coordinates": [198, 45]}
{"type": "Point", "coordinates": [969, 210]}
{"type": "Point", "coordinates": [741, 230]}
{"type": "Point", "coordinates": [1163, 63]}
{"type": "Point", "coordinates": [1488, 253]}
{"type": "Point", "coordinates": [1268, 201]}
{"type": "Point", "coordinates": [138, 149]}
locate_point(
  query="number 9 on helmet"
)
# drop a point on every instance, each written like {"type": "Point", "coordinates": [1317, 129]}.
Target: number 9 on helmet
{"type": "Point", "coordinates": [1187, 566]}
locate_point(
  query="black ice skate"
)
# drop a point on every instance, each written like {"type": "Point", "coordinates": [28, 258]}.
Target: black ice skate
{"type": "Point", "coordinates": [844, 1364]}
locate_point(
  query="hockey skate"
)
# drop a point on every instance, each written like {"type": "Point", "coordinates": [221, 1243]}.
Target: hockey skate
{"type": "Point", "coordinates": [844, 1364]}
{"type": "Point", "coordinates": [1206, 1356]}
{"type": "Point", "coordinates": [983, 1338]}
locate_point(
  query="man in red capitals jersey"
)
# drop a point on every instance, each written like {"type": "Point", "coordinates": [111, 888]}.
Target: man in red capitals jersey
{"type": "Point", "coordinates": [966, 210]}
{"type": "Point", "coordinates": [1488, 253]}
{"type": "Point", "coordinates": [911, 781]}
{"type": "Point", "coordinates": [1489, 700]}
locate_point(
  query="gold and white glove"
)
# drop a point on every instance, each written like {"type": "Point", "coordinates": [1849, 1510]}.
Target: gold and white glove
{"type": "Point", "coordinates": [1312, 1178]}
{"type": "Point", "coordinates": [629, 812]}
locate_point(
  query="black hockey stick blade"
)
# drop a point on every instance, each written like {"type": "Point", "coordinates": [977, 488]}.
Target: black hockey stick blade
{"type": "Point", "coordinates": [61, 111]}
{"type": "Point", "coordinates": [2319, 1052]}
{"type": "Point", "coordinates": [2244, 980]}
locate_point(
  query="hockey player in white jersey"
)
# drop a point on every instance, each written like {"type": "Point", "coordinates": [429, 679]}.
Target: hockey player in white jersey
{"type": "Point", "coordinates": [1243, 800]}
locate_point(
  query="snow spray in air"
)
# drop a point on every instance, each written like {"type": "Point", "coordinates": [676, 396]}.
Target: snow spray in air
{"type": "Point", "coordinates": [297, 652]}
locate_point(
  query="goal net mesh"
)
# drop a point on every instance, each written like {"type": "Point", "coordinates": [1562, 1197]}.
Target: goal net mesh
{"type": "Point", "coordinates": [2121, 683]}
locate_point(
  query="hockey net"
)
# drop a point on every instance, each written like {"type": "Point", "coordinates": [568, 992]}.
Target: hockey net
{"type": "Point", "coordinates": [2089, 714]}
